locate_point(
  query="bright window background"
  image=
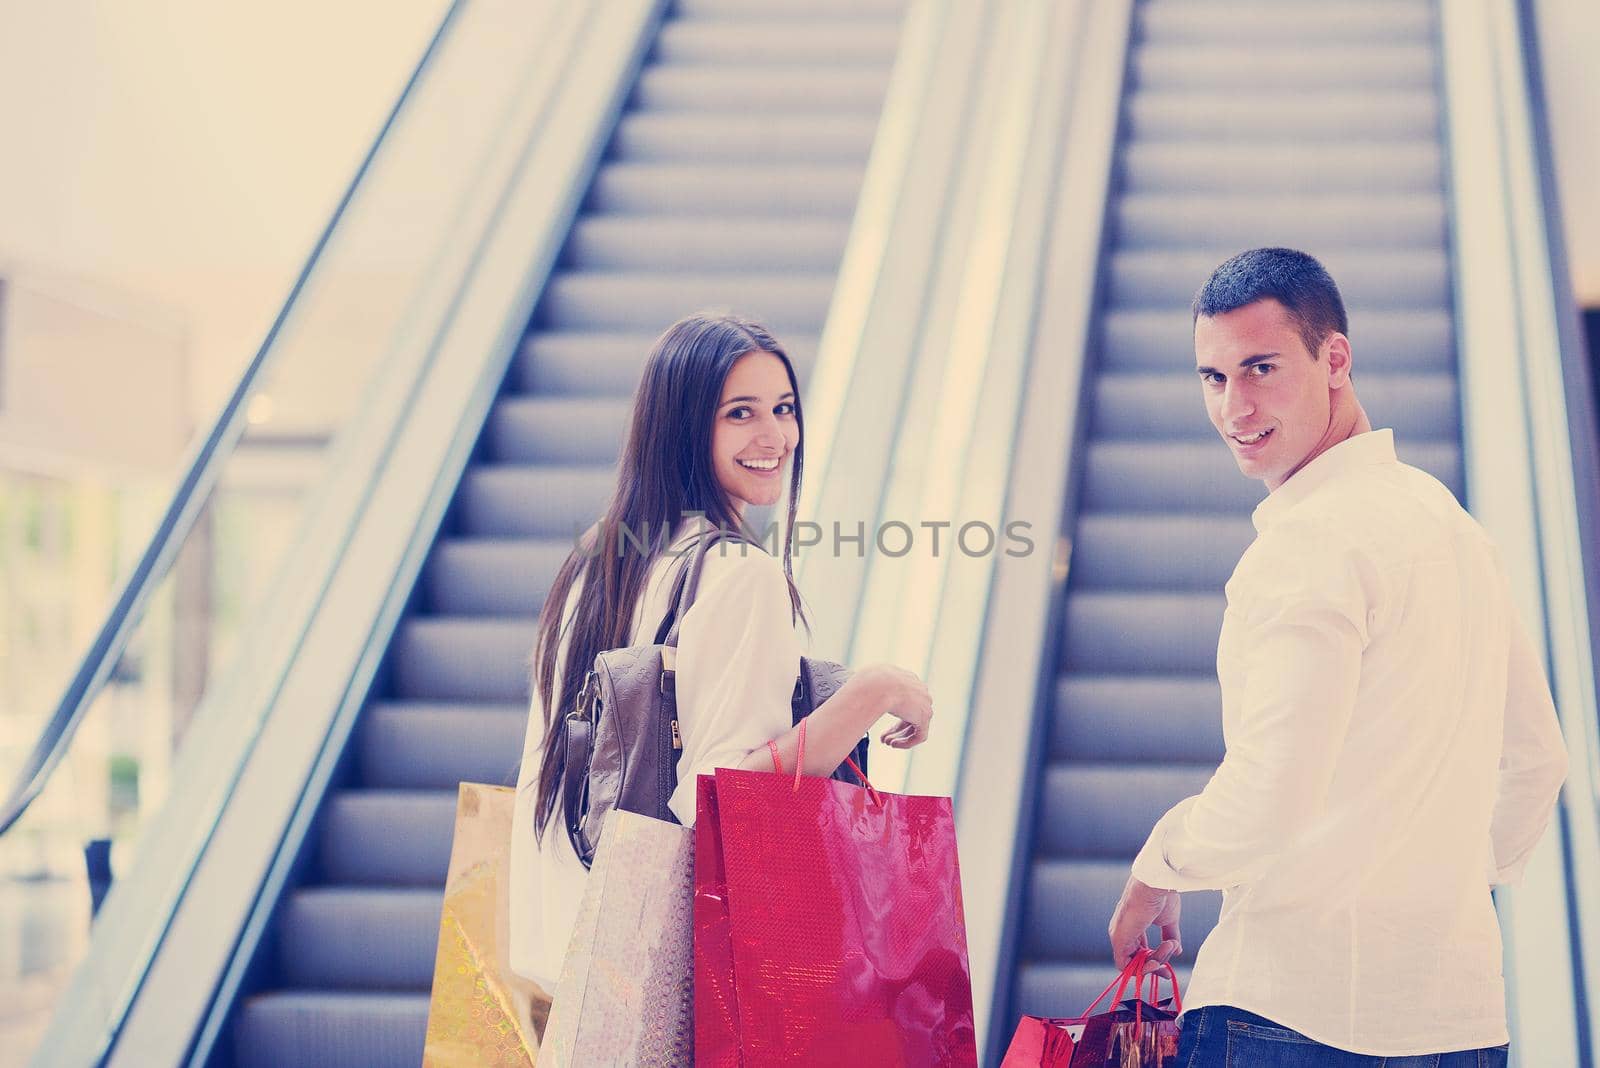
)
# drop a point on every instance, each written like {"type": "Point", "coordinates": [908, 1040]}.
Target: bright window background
{"type": "Point", "coordinates": [165, 168]}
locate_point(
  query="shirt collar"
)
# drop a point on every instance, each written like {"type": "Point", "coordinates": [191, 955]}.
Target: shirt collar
{"type": "Point", "coordinates": [1360, 450]}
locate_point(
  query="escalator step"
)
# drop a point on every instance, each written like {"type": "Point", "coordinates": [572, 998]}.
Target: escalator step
{"type": "Point", "coordinates": [713, 89]}
{"type": "Point", "coordinates": [734, 9]}
{"type": "Point", "coordinates": [1160, 633]}
{"type": "Point", "coordinates": [615, 300]}
{"type": "Point", "coordinates": [557, 430]}
{"type": "Point", "coordinates": [1231, 64]}
{"type": "Point", "coordinates": [732, 188]}
{"type": "Point", "coordinates": [1211, 221]}
{"type": "Point", "coordinates": [657, 137]}
{"type": "Point", "coordinates": [1379, 114]}
{"type": "Point", "coordinates": [360, 938]}
{"type": "Point", "coordinates": [1130, 551]}
{"type": "Point", "coordinates": [493, 576]}
{"type": "Point", "coordinates": [807, 42]}
{"type": "Point", "coordinates": [664, 243]}
{"type": "Point", "coordinates": [330, 1029]}
{"type": "Point", "coordinates": [1173, 719]}
{"type": "Point", "coordinates": [1367, 168]}
{"type": "Point", "coordinates": [1373, 22]}
{"type": "Point", "coordinates": [444, 658]}
{"type": "Point", "coordinates": [1106, 810]}
{"type": "Point", "coordinates": [388, 837]}
{"type": "Point", "coordinates": [524, 500]}
{"type": "Point", "coordinates": [420, 745]}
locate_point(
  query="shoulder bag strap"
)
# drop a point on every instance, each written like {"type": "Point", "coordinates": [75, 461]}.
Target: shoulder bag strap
{"type": "Point", "coordinates": [688, 584]}
{"type": "Point", "coordinates": [579, 746]}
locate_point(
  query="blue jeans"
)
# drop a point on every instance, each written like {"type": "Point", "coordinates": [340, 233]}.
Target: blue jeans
{"type": "Point", "coordinates": [1220, 1036]}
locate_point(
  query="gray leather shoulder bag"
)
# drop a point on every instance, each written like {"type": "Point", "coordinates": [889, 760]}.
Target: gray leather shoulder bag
{"type": "Point", "coordinates": [622, 739]}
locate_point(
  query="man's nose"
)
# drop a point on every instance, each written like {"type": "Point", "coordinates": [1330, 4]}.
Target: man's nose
{"type": "Point", "coordinates": [1236, 404]}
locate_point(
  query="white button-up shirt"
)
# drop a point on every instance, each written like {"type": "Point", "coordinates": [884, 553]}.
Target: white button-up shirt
{"type": "Point", "coordinates": [1392, 751]}
{"type": "Point", "coordinates": [738, 659]}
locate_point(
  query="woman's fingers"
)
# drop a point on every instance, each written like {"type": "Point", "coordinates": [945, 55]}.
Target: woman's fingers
{"type": "Point", "coordinates": [903, 735]}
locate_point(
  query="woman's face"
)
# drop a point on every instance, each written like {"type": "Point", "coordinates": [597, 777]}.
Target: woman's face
{"type": "Point", "coordinates": [755, 431]}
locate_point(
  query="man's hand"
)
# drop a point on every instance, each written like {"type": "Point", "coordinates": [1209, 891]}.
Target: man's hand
{"type": "Point", "coordinates": [1140, 907]}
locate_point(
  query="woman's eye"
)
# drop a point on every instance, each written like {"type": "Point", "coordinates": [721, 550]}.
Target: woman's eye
{"type": "Point", "coordinates": [785, 408]}
{"type": "Point", "coordinates": [738, 413]}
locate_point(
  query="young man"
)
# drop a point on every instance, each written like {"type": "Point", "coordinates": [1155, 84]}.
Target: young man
{"type": "Point", "coordinates": [1392, 746]}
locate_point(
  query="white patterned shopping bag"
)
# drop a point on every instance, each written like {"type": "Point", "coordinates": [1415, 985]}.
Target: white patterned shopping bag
{"type": "Point", "coordinates": [626, 992]}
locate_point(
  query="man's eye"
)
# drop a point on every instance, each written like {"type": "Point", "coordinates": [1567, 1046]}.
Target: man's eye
{"type": "Point", "coordinates": [1263, 368]}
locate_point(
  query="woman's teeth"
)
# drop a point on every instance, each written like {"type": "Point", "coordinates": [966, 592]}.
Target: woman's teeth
{"type": "Point", "coordinates": [759, 465]}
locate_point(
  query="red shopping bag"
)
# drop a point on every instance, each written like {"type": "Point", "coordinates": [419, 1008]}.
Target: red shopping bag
{"type": "Point", "coordinates": [1133, 1032]}
{"type": "Point", "coordinates": [828, 926]}
{"type": "Point", "coordinates": [1042, 1043]}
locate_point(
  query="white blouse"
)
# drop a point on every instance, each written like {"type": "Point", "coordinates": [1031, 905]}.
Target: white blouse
{"type": "Point", "coordinates": [738, 658]}
{"type": "Point", "coordinates": [1392, 750]}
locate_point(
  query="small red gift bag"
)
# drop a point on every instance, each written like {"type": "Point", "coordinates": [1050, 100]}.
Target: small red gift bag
{"type": "Point", "coordinates": [1042, 1043]}
{"type": "Point", "coordinates": [1130, 1033]}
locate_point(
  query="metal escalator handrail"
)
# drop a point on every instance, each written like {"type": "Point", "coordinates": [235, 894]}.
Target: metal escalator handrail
{"type": "Point", "coordinates": [202, 469]}
{"type": "Point", "coordinates": [1583, 431]}
{"type": "Point", "coordinates": [1012, 675]}
{"type": "Point", "coordinates": [1569, 492]}
{"type": "Point", "coordinates": [1523, 430]}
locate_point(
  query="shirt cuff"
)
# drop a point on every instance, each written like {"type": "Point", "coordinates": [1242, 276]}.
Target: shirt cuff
{"type": "Point", "coordinates": [1150, 866]}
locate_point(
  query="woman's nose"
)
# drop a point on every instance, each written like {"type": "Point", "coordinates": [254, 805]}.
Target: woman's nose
{"type": "Point", "coordinates": [768, 431]}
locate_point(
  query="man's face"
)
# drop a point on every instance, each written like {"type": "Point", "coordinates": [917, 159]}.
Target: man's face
{"type": "Point", "coordinates": [1266, 395]}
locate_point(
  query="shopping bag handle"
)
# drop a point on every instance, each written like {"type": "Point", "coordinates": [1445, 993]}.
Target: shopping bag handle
{"type": "Point", "coordinates": [1120, 983]}
{"type": "Point", "coordinates": [800, 763]}
{"type": "Point", "coordinates": [1135, 971]}
{"type": "Point", "coordinates": [872, 792]}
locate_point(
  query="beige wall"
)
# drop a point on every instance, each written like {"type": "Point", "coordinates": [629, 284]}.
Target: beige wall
{"type": "Point", "coordinates": [90, 382]}
{"type": "Point", "coordinates": [188, 152]}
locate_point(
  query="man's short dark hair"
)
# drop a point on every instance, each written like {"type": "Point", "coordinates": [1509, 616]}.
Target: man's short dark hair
{"type": "Point", "coordinates": [1293, 279]}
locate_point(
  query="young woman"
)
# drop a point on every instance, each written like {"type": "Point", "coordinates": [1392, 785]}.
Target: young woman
{"type": "Point", "coordinates": [716, 428]}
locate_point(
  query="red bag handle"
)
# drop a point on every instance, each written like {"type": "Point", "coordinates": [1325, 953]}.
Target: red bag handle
{"type": "Point", "coordinates": [1119, 984]}
{"type": "Point", "coordinates": [800, 763]}
{"type": "Point", "coordinates": [1134, 970]}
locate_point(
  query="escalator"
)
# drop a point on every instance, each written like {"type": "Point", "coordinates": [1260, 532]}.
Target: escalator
{"type": "Point", "coordinates": [729, 183]}
{"type": "Point", "coordinates": [1316, 127]}
{"type": "Point", "coordinates": [284, 910]}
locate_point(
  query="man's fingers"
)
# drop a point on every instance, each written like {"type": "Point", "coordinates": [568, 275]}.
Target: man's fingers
{"type": "Point", "coordinates": [1168, 949]}
{"type": "Point", "coordinates": [1171, 934]}
{"type": "Point", "coordinates": [1122, 953]}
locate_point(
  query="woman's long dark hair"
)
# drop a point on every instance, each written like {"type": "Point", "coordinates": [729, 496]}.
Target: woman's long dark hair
{"type": "Point", "coordinates": [665, 472]}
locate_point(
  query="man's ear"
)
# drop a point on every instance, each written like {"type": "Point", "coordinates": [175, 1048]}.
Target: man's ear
{"type": "Point", "coordinates": [1336, 350]}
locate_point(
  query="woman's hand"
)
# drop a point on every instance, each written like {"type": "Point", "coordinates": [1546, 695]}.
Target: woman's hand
{"type": "Point", "coordinates": [899, 693]}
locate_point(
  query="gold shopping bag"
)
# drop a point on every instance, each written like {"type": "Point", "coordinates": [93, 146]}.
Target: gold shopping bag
{"type": "Point", "coordinates": [481, 1014]}
{"type": "Point", "coordinates": [626, 992]}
